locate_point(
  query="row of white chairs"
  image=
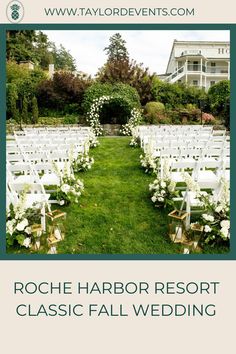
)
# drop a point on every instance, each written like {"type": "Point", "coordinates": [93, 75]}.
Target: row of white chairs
{"type": "Point", "coordinates": [34, 158]}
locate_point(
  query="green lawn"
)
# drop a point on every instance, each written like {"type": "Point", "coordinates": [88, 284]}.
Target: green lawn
{"type": "Point", "coordinates": [115, 214]}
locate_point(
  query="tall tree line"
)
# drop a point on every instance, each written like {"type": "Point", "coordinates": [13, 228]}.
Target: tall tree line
{"type": "Point", "coordinates": [35, 46]}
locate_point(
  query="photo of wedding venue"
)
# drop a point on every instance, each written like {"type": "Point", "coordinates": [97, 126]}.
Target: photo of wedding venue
{"type": "Point", "coordinates": [118, 142]}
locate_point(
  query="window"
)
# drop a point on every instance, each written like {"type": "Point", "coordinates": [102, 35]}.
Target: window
{"type": "Point", "coordinates": [195, 82]}
{"type": "Point", "coordinates": [195, 66]}
{"type": "Point", "coordinates": [213, 67]}
{"type": "Point", "coordinates": [212, 83]}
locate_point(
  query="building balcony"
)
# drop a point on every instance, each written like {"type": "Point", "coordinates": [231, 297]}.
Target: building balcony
{"type": "Point", "coordinates": [208, 70]}
{"type": "Point", "coordinates": [199, 70]}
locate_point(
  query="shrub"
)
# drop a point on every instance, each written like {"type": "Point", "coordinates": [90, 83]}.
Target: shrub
{"type": "Point", "coordinates": [70, 119]}
{"type": "Point", "coordinates": [176, 95]}
{"type": "Point", "coordinates": [153, 112]}
{"type": "Point", "coordinates": [219, 100]}
{"type": "Point", "coordinates": [50, 120]}
{"type": "Point", "coordinates": [208, 118]}
{"type": "Point", "coordinates": [63, 93]}
{"type": "Point", "coordinates": [98, 90]}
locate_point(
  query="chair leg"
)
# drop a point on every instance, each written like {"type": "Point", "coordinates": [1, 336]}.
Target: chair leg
{"type": "Point", "coordinates": [43, 219]}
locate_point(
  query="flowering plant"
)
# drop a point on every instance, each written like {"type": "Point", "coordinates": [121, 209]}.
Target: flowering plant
{"type": "Point", "coordinates": [18, 222]}
{"type": "Point", "coordinates": [82, 163]}
{"type": "Point", "coordinates": [208, 118]}
{"type": "Point", "coordinates": [216, 218]}
{"type": "Point", "coordinates": [94, 114]}
{"type": "Point", "coordinates": [163, 192]}
{"type": "Point", "coordinates": [93, 140]}
{"type": "Point", "coordinates": [70, 188]}
{"type": "Point", "coordinates": [134, 142]}
{"type": "Point", "coordinates": [149, 163]}
{"type": "Point", "coordinates": [134, 120]}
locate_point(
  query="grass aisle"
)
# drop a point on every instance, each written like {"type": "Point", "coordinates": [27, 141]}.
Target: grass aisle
{"type": "Point", "coordinates": [115, 214]}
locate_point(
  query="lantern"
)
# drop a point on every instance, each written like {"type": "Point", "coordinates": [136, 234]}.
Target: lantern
{"type": "Point", "coordinates": [56, 229]}
{"type": "Point", "coordinates": [37, 231]}
{"type": "Point", "coordinates": [177, 226]}
{"type": "Point", "coordinates": [197, 231]}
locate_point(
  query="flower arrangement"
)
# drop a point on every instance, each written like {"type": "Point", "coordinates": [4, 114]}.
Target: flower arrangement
{"type": "Point", "coordinates": [19, 221]}
{"type": "Point", "coordinates": [216, 218]}
{"type": "Point", "coordinates": [93, 140]}
{"type": "Point", "coordinates": [149, 163]}
{"type": "Point", "coordinates": [135, 141]}
{"type": "Point", "coordinates": [70, 188]}
{"type": "Point", "coordinates": [163, 192]}
{"type": "Point", "coordinates": [134, 120]}
{"type": "Point", "coordinates": [83, 162]}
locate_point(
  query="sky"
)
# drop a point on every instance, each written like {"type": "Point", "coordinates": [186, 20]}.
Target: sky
{"type": "Point", "coordinates": [152, 48]}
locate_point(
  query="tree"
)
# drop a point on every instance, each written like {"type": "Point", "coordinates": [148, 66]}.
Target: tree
{"type": "Point", "coordinates": [12, 97]}
{"type": "Point", "coordinates": [176, 95]}
{"type": "Point", "coordinates": [24, 113]}
{"type": "Point", "coordinates": [63, 90]}
{"type": "Point", "coordinates": [24, 82]}
{"type": "Point", "coordinates": [131, 73]}
{"type": "Point", "coordinates": [35, 111]}
{"type": "Point", "coordinates": [21, 45]}
{"type": "Point", "coordinates": [35, 46]}
{"type": "Point", "coordinates": [117, 50]}
{"type": "Point", "coordinates": [63, 59]}
{"type": "Point", "coordinates": [219, 97]}
{"type": "Point", "coordinates": [119, 68]}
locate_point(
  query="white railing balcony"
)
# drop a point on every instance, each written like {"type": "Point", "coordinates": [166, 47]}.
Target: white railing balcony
{"type": "Point", "coordinates": [217, 70]}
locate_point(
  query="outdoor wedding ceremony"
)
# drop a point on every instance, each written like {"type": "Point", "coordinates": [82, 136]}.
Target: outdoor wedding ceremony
{"type": "Point", "coordinates": [117, 142]}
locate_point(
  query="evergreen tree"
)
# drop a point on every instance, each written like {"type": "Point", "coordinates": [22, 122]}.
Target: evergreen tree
{"type": "Point", "coordinates": [35, 46]}
{"type": "Point", "coordinates": [24, 113]}
{"type": "Point", "coordinates": [35, 111]}
{"type": "Point", "coordinates": [117, 50]}
{"type": "Point", "coordinates": [12, 102]}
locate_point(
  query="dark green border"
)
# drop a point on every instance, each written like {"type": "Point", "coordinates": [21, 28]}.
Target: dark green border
{"type": "Point", "coordinates": [232, 27]}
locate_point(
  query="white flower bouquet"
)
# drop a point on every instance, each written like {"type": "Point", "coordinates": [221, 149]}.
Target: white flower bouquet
{"type": "Point", "coordinates": [216, 217]}
{"type": "Point", "coordinates": [19, 221]}
{"type": "Point", "coordinates": [163, 191]}
{"type": "Point", "coordinates": [70, 188]}
{"type": "Point", "coordinates": [149, 163]}
{"type": "Point", "coordinates": [83, 162]}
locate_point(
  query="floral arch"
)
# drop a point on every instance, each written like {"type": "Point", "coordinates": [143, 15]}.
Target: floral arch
{"type": "Point", "coordinates": [93, 115]}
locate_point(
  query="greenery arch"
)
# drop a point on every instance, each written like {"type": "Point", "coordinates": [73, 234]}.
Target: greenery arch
{"type": "Point", "coordinates": [132, 114]}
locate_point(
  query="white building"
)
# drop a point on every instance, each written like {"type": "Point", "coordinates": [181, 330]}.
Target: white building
{"type": "Point", "coordinates": [198, 63]}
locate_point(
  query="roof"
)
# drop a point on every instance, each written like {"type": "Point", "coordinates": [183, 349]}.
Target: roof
{"type": "Point", "coordinates": [201, 42]}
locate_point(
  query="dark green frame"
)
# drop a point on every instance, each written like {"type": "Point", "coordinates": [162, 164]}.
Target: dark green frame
{"type": "Point", "coordinates": [3, 27]}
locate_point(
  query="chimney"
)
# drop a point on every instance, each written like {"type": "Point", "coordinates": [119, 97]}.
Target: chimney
{"type": "Point", "coordinates": [51, 70]}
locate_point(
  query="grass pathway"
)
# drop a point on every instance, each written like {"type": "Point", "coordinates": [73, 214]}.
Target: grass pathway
{"type": "Point", "coordinates": [115, 214]}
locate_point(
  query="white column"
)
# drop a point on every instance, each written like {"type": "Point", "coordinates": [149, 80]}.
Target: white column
{"type": "Point", "coordinates": [186, 70]}
{"type": "Point", "coordinates": [201, 74]}
{"type": "Point", "coordinates": [205, 73]}
{"type": "Point", "coordinates": [228, 70]}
